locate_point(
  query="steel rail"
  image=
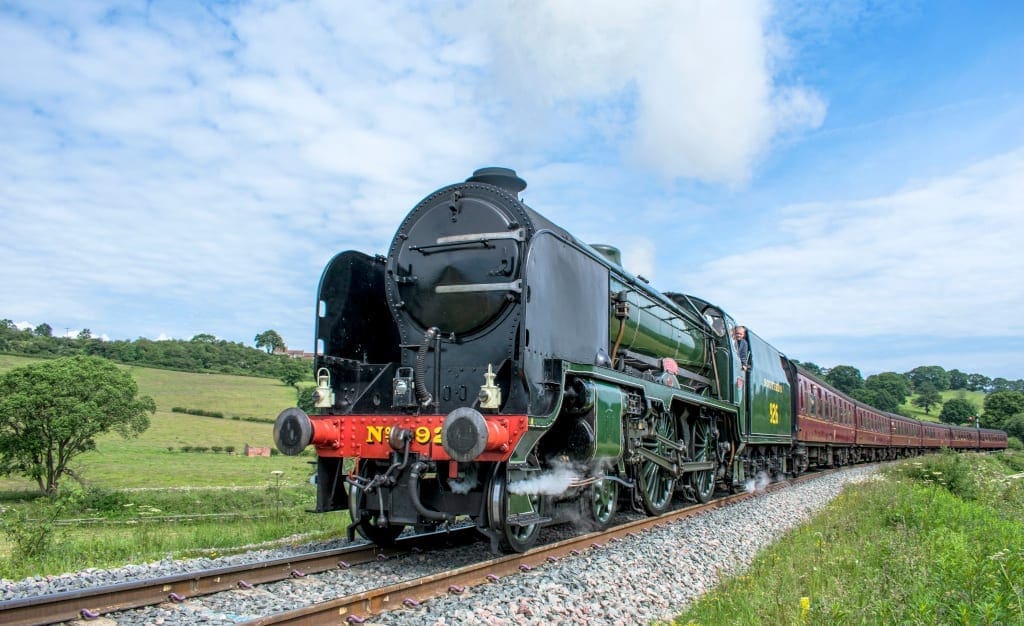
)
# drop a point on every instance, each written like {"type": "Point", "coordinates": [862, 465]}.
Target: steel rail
{"type": "Point", "coordinates": [91, 603]}
{"type": "Point", "coordinates": [357, 608]}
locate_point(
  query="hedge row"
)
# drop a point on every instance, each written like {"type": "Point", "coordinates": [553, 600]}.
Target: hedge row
{"type": "Point", "coordinates": [220, 415]}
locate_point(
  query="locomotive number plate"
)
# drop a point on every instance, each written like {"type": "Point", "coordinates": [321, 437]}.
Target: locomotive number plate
{"type": "Point", "coordinates": [420, 434]}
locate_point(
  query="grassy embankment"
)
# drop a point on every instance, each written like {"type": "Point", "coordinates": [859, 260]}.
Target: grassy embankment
{"type": "Point", "coordinates": [146, 498]}
{"type": "Point", "coordinates": [935, 540]}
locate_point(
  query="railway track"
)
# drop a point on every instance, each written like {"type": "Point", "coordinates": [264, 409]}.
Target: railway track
{"type": "Point", "coordinates": [91, 603]}
{"type": "Point", "coordinates": [355, 608]}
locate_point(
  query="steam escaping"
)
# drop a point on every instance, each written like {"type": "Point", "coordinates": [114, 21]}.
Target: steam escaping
{"type": "Point", "coordinates": [465, 483]}
{"type": "Point", "coordinates": [758, 483]}
{"type": "Point", "coordinates": [552, 483]}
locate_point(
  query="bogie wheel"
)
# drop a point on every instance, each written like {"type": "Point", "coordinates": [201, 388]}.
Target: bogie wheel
{"type": "Point", "coordinates": [502, 504]}
{"type": "Point", "coordinates": [656, 483]}
{"type": "Point", "coordinates": [800, 465]}
{"type": "Point", "coordinates": [598, 503]}
{"type": "Point", "coordinates": [357, 508]}
{"type": "Point", "coordinates": [704, 444]}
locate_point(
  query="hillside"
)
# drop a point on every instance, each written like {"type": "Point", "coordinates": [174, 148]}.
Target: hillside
{"type": "Point", "coordinates": [156, 459]}
{"type": "Point", "coordinates": [977, 398]}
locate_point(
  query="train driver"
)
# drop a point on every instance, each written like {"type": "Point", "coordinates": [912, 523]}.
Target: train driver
{"type": "Point", "coordinates": [742, 346]}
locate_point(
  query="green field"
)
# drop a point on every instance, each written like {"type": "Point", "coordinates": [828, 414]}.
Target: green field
{"type": "Point", "coordinates": [977, 398]}
{"type": "Point", "coordinates": [147, 461]}
{"type": "Point", "coordinates": [262, 498]}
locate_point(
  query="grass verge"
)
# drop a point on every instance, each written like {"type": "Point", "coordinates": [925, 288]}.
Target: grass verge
{"type": "Point", "coordinates": [107, 528]}
{"type": "Point", "coordinates": [935, 540]}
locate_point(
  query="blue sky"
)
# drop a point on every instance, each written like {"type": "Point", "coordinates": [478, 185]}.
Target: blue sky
{"type": "Point", "coordinates": [846, 178]}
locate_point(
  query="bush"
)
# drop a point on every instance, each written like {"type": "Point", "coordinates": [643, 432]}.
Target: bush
{"type": "Point", "coordinates": [32, 531]}
{"type": "Point", "coordinates": [186, 448]}
{"type": "Point", "coordinates": [217, 449]}
{"type": "Point", "coordinates": [304, 397]}
{"type": "Point", "coordinates": [199, 412]}
{"type": "Point", "coordinates": [100, 499]}
{"type": "Point", "coordinates": [1014, 443]}
{"type": "Point", "coordinates": [1012, 460]}
{"type": "Point", "coordinates": [947, 469]}
{"type": "Point", "coordinates": [229, 449]}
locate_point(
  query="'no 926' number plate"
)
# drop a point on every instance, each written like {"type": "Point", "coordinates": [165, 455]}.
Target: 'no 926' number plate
{"type": "Point", "coordinates": [420, 434]}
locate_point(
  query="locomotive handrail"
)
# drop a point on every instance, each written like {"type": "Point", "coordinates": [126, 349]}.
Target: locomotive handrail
{"type": "Point", "coordinates": [515, 285]}
{"type": "Point", "coordinates": [436, 247]}
{"type": "Point", "coordinates": [518, 235]}
{"type": "Point", "coordinates": [451, 241]}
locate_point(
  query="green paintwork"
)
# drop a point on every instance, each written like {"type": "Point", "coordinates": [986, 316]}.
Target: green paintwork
{"type": "Point", "coordinates": [651, 389]}
{"type": "Point", "coordinates": [608, 425]}
{"type": "Point", "coordinates": [655, 331]}
{"type": "Point", "coordinates": [667, 395]}
{"type": "Point", "coordinates": [518, 503]}
{"type": "Point", "coordinates": [771, 414]}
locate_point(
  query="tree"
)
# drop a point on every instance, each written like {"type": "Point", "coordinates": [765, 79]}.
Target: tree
{"type": "Point", "coordinates": [294, 371]}
{"type": "Point", "coordinates": [269, 340]}
{"type": "Point", "coordinates": [927, 397]}
{"type": "Point", "coordinates": [880, 399]}
{"type": "Point", "coordinates": [893, 384]}
{"type": "Point", "coordinates": [813, 368]}
{"type": "Point", "coordinates": [957, 379]}
{"type": "Point", "coordinates": [1001, 384]}
{"type": "Point", "coordinates": [957, 411]}
{"type": "Point", "coordinates": [845, 378]}
{"type": "Point", "coordinates": [85, 333]}
{"type": "Point", "coordinates": [1000, 406]}
{"type": "Point", "coordinates": [933, 374]}
{"type": "Point", "coordinates": [978, 382]}
{"type": "Point", "coordinates": [204, 338]}
{"type": "Point", "coordinates": [44, 330]}
{"type": "Point", "coordinates": [50, 412]}
{"type": "Point", "coordinates": [1014, 426]}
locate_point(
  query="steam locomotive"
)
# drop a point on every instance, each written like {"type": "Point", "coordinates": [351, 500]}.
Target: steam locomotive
{"type": "Point", "coordinates": [493, 367]}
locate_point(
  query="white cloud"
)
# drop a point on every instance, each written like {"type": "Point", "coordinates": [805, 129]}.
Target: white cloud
{"type": "Point", "coordinates": [939, 258]}
{"type": "Point", "coordinates": [168, 164]}
{"type": "Point", "coordinates": [691, 82]}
